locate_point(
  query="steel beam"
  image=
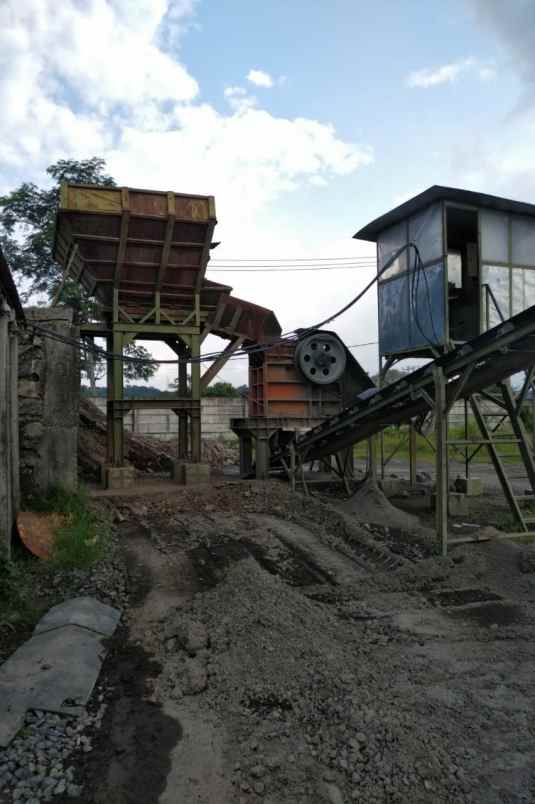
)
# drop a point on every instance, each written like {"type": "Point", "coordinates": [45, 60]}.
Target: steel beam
{"type": "Point", "coordinates": [497, 462]}
{"type": "Point", "coordinates": [117, 396]}
{"type": "Point", "coordinates": [182, 352]}
{"type": "Point", "coordinates": [218, 364]}
{"type": "Point", "coordinates": [196, 397]}
{"type": "Point", "coordinates": [441, 460]}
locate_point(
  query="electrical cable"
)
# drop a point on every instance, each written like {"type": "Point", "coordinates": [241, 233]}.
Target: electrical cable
{"type": "Point", "coordinates": [289, 269]}
{"type": "Point", "coordinates": [290, 259]}
{"type": "Point", "coordinates": [285, 338]}
{"type": "Point", "coordinates": [414, 284]}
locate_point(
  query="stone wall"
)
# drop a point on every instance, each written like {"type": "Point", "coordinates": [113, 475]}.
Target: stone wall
{"type": "Point", "coordinates": [216, 413]}
{"type": "Point", "coordinates": [9, 448]}
{"type": "Point", "coordinates": [48, 391]}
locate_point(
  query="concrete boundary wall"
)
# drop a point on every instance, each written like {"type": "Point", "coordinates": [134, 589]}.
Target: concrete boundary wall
{"type": "Point", "coordinates": [216, 413]}
{"type": "Point", "coordinates": [49, 393]}
{"type": "Point", "coordinates": [9, 437]}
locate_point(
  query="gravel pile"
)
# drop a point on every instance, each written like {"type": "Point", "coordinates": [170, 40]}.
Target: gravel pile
{"type": "Point", "coordinates": [38, 765]}
{"type": "Point", "coordinates": [310, 716]}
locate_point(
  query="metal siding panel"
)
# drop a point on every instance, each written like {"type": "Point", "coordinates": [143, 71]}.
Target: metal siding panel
{"type": "Point", "coordinates": [425, 230]}
{"type": "Point", "coordinates": [393, 299]}
{"type": "Point", "coordinates": [429, 308]}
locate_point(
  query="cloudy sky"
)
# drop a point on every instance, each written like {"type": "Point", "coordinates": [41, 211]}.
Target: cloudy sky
{"type": "Point", "coordinates": [305, 120]}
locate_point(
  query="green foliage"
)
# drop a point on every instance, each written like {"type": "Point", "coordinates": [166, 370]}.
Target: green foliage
{"type": "Point", "coordinates": [395, 440]}
{"type": "Point", "coordinates": [221, 389]}
{"type": "Point", "coordinates": [27, 226]}
{"type": "Point", "coordinates": [217, 389]}
{"type": "Point", "coordinates": [83, 538]}
{"type": "Point", "coordinates": [138, 371]}
{"type": "Point", "coordinates": [527, 415]}
{"type": "Point", "coordinates": [17, 607]}
{"type": "Point", "coordinates": [130, 392]}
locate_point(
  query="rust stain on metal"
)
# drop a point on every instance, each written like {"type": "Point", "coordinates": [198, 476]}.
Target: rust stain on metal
{"type": "Point", "coordinates": [162, 242]}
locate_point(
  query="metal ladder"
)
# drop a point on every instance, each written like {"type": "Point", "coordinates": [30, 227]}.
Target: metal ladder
{"type": "Point", "coordinates": [511, 408]}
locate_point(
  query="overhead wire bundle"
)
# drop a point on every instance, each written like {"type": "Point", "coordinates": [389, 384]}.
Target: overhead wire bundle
{"type": "Point", "coordinates": [289, 336]}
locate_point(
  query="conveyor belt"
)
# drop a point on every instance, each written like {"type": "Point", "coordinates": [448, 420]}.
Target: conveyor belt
{"type": "Point", "coordinates": [472, 367]}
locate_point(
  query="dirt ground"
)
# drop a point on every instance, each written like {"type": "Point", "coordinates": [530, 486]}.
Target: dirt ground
{"type": "Point", "coordinates": [276, 650]}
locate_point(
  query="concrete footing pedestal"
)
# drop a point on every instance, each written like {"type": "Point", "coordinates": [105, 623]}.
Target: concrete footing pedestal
{"type": "Point", "coordinates": [190, 474]}
{"type": "Point", "coordinates": [458, 504]}
{"type": "Point", "coordinates": [117, 477]}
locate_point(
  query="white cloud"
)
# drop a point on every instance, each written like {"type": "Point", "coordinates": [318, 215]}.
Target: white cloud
{"type": "Point", "coordinates": [100, 77]}
{"type": "Point", "coordinates": [446, 74]}
{"type": "Point", "coordinates": [318, 181]}
{"type": "Point", "coordinates": [260, 78]}
{"type": "Point", "coordinates": [238, 99]}
{"type": "Point", "coordinates": [487, 73]}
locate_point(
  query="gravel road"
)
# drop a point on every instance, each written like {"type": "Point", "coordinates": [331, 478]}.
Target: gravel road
{"type": "Point", "coordinates": [276, 650]}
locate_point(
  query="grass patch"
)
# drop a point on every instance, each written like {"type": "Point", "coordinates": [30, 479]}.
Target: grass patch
{"type": "Point", "coordinates": [17, 601]}
{"type": "Point", "coordinates": [84, 537]}
{"type": "Point", "coordinates": [395, 440]}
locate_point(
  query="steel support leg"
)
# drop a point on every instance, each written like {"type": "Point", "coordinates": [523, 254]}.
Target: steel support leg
{"type": "Point", "coordinates": [497, 463]}
{"type": "Point", "coordinates": [520, 433]}
{"type": "Point", "coordinates": [441, 456]}
{"type": "Point", "coordinates": [412, 454]}
{"type": "Point", "coordinates": [195, 395]}
{"type": "Point", "coordinates": [246, 454]}
{"type": "Point", "coordinates": [182, 415]}
{"type": "Point", "coordinates": [262, 457]}
{"type": "Point", "coordinates": [109, 398]}
{"type": "Point", "coordinates": [372, 458]}
{"type": "Point", "coordinates": [117, 450]}
{"type": "Point", "coordinates": [292, 466]}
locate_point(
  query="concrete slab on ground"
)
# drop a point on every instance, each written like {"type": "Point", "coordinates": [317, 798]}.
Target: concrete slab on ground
{"type": "Point", "coordinates": [87, 612]}
{"type": "Point", "coordinates": [57, 668]}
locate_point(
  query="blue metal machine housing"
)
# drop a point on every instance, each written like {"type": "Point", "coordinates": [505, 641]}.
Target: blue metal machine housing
{"type": "Point", "coordinates": [477, 268]}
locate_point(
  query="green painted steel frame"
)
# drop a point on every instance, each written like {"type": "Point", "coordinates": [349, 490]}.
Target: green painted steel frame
{"type": "Point", "coordinates": [185, 340]}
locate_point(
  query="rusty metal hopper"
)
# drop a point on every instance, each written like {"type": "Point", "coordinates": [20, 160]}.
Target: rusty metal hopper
{"type": "Point", "coordinates": [141, 242]}
{"type": "Point", "coordinates": [151, 249]}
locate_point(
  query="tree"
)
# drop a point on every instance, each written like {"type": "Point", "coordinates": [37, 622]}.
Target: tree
{"type": "Point", "coordinates": [217, 389]}
{"type": "Point", "coordinates": [221, 389]}
{"type": "Point", "coordinates": [27, 226]}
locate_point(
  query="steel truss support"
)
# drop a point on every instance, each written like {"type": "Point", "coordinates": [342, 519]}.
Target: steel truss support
{"type": "Point", "coordinates": [494, 455]}
{"type": "Point", "coordinates": [441, 459]}
{"type": "Point", "coordinates": [185, 342]}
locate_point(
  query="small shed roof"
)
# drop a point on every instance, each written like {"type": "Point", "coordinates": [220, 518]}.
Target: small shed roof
{"type": "Point", "coordinates": [438, 193]}
{"type": "Point", "coordinates": [9, 289]}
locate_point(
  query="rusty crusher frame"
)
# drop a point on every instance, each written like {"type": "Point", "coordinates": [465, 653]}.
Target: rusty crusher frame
{"type": "Point", "coordinates": [142, 255]}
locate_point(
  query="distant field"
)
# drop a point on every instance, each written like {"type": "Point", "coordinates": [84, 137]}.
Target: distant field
{"type": "Point", "coordinates": [397, 440]}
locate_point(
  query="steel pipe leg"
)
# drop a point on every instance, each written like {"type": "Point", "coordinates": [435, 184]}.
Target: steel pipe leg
{"type": "Point", "coordinates": [246, 454]}
{"type": "Point", "coordinates": [262, 458]}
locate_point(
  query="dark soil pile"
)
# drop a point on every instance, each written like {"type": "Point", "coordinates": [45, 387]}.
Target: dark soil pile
{"type": "Point", "coordinates": [140, 452]}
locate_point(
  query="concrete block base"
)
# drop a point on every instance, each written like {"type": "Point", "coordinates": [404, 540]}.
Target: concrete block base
{"type": "Point", "coordinates": [190, 474]}
{"type": "Point", "coordinates": [117, 477]}
{"type": "Point", "coordinates": [458, 504]}
{"type": "Point", "coordinates": [392, 486]}
{"type": "Point", "coordinates": [472, 487]}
